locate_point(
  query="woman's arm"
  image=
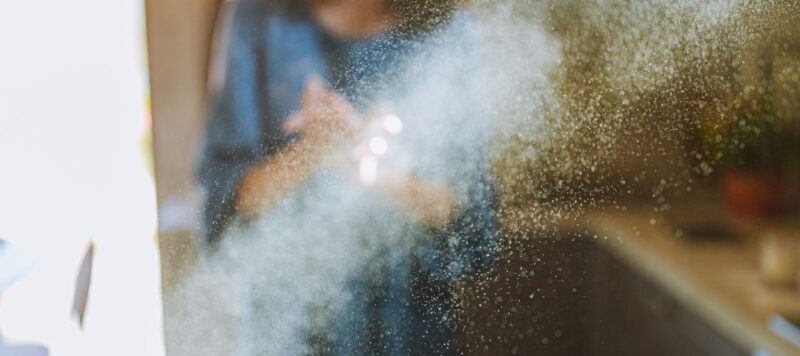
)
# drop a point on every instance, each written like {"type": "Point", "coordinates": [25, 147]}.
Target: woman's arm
{"type": "Point", "coordinates": [272, 179]}
{"type": "Point", "coordinates": [235, 123]}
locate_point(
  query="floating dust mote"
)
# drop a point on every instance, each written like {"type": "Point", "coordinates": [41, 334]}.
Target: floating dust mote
{"type": "Point", "coordinates": [591, 103]}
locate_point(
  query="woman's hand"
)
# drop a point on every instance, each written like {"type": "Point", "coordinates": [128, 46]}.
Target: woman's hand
{"type": "Point", "coordinates": [325, 119]}
{"type": "Point", "coordinates": [374, 137]}
{"type": "Point", "coordinates": [433, 204]}
{"type": "Point", "coordinates": [326, 123]}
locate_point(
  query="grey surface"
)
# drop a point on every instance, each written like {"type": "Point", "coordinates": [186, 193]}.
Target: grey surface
{"type": "Point", "coordinates": [22, 350]}
{"type": "Point", "coordinates": [13, 264]}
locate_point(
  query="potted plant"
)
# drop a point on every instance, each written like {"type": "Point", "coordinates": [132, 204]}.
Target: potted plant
{"type": "Point", "coordinates": [757, 151]}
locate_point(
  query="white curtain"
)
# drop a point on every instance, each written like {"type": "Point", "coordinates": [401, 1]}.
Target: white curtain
{"type": "Point", "coordinates": [73, 170]}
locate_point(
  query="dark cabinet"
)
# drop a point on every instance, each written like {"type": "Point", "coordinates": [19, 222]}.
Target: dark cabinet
{"type": "Point", "coordinates": [633, 316]}
{"type": "Point", "coordinates": [567, 296]}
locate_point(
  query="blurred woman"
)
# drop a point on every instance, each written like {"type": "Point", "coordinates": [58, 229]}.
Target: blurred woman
{"type": "Point", "coordinates": [284, 159]}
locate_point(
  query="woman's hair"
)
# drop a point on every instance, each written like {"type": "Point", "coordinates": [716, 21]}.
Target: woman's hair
{"type": "Point", "coordinates": [412, 15]}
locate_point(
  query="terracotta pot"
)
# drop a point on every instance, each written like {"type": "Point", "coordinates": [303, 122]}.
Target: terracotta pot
{"type": "Point", "coordinates": [752, 194]}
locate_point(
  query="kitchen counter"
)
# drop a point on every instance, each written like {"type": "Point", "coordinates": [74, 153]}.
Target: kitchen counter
{"type": "Point", "coordinates": [718, 281]}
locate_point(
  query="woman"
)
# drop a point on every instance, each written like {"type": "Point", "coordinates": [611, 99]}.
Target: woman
{"type": "Point", "coordinates": [284, 163]}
